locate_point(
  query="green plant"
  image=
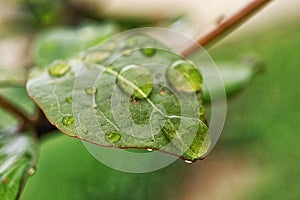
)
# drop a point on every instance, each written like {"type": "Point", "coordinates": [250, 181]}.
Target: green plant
{"type": "Point", "coordinates": [18, 163]}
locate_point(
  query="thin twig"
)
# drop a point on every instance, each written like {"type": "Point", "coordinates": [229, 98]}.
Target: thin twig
{"type": "Point", "coordinates": [5, 104]}
{"type": "Point", "coordinates": [228, 24]}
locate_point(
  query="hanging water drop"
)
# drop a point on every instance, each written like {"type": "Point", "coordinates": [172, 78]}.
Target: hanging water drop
{"type": "Point", "coordinates": [148, 51]}
{"type": "Point", "coordinates": [59, 68]}
{"type": "Point", "coordinates": [136, 81]}
{"type": "Point", "coordinates": [188, 161]}
{"type": "Point", "coordinates": [149, 149]}
{"type": "Point", "coordinates": [67, 120]}
{"type": "Point", "coordinates": [183, 76]}
{"type": "Point", "coordinates": [113, 137]}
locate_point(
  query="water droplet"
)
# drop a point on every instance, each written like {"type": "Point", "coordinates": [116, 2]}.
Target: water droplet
{"type": "Point", "coordinates": [183, 76]}
{"type": "Point", "coordinates": [59, 68]}
{"type": "Point", "coordinates": [188, 161]}
{"type": "Point", "coordinates": [31, 171]}
{"type": "Point", "coordinates": [149, 149]}
{"type": "Point", "coordinates": [136, 81]}
{"type": "Point", "coordinates": [148, 51]}
{"type": "Point", "coordinates": [113, 137]}
{"type": "Point", "coordinates": [69, 99]}
{"type": "Point", "coordinates": [91, 90]}
{"type": "Point", "coordinates": [67, 120]}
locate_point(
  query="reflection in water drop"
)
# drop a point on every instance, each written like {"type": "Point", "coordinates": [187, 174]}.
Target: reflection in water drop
{"type": "Point", "coordinates": [113, 137]}
{"type": "Point", "coordinates": [67, 120]}
{"type": "Point", "coordinates": [69, 99]}
{"type": "Point", "coordinates": [148, 51]}
{"type": "Point", "coordinates": [183, 76]}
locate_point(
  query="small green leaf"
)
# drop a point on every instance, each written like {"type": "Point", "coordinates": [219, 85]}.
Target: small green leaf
{"type": "Point", "coordinates": [126, 100]}
{"type": "Point", "coordinates": [17, 161]}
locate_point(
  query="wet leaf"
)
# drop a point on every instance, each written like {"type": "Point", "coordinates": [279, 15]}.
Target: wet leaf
{"type": "Point", "coordinates": [114, 107]}
{"type": "Point", "coordinates": [17, 160]}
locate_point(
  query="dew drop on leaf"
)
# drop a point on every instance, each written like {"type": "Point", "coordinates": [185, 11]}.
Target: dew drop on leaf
{"type": "Point", "coordinates": [67, 120]}
{"type": "Point", "coordinates": [91, 90]}
{"type": "Point", "coordinates": [69, 99]}
{"type": "Point", "coordinates": [59, 68]}
{"type": "Point", "coordinates": [183, 76]}
{"type": "Point", "coordinates": [148, 51]}
{"type": "Point", "coordinates": [113, 137]}
{"type": "Point", "coordinates": [136, 81]}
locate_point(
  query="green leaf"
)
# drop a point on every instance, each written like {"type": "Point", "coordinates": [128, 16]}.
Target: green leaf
{"type": "Point", "coordinates": [111, 107]}
{"type": "Point", "coordinates": [17, 158]}
{"type": "Point", "coordinates": [235, 75]}
{"type": "Point", "coordinates": [60, 43]}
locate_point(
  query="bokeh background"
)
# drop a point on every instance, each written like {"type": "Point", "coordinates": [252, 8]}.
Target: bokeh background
{"type": "Point", "coordinates": [257, 155]}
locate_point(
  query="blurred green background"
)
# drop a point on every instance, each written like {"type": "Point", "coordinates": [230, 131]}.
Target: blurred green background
{"type": "Point", "coordinates": [257, 156]}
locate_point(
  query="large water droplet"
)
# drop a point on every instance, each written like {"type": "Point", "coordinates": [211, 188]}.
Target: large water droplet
{"type": "Point", "coordinates": [183, 76]}
{"type": "Point", "coordinates": [67, 120]}
{"type": "Point", "coordinates": [59, 68]}
{"type": "Point", "coordinates": [136, 81]}
{"type": "Point", "coordinates": [113, 137]}
{"type": "Point", "coordinates": [148, 51]}
{"type": "Point", "coordinates": [91, 90]}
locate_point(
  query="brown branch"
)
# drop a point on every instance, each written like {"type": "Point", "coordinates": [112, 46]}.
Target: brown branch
{"type": "Point", "coordinates": [226, 25]}
{"type": "Point", "coordinates": [8, 106]}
